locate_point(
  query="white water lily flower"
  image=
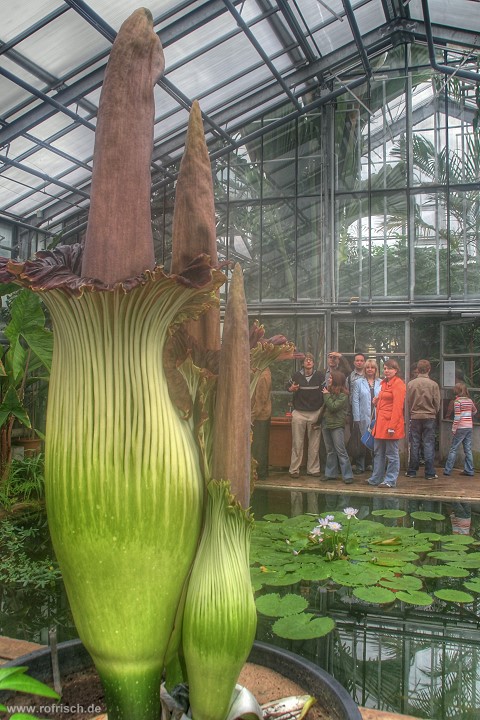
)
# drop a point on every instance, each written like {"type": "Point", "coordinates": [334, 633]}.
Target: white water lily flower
{"type": "Point", "coordinates": [335, 526]}
{"type": "Point", "coordinates": [351, 512]}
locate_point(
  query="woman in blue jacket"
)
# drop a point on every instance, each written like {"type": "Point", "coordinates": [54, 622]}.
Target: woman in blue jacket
{"type": "Point", "coordinates": [363, 392]}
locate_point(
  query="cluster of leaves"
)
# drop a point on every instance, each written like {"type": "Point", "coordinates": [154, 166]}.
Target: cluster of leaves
{"type": "Point", "coordinates": [14, 678]}
{"type": "Point", "coordinates": [25, 481]}
{"type": "Point", "coordinates": [19, 565]}
{"type": "Point", "coordinates": [379, 563]}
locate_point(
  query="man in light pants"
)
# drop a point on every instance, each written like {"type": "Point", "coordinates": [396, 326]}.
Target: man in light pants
{"type": "Point", "coordinates": [306, 387]}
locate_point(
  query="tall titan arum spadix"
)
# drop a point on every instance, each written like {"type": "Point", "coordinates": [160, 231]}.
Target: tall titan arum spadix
{"type": "Point", "coordinates": [150, 568]}
{"type": "Point", "coordinates": [124, 487]}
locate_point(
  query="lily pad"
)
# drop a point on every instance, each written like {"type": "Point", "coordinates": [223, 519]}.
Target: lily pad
{"type": "Point", "coordinates": [403, 583]}
{"type": "Point", "coordinates": [467, 561]}
{"type": "Point", "coordinates": [433, 571]}
{"type": "Point", "coordinates": [282, 579]}
{"type": "Point", "coordinates": [425, 515]}
{"type": "Point", "coordinates": [275, 606]}
{"type": "Point", "coordinates": [275, 517]}
{"type": "Point", "coordinates": [303, 627]}
{"type": "Point", "coordinates": [457, 540]}
{"type": "Point", "coordinates": [433, 536]}
{"type": "Point", "coordinates": [473, 585]}
{"type": "Point", "coordinates": [446, 556]}
{"type": "Point", "coordinates": [318, 571]}
{"type": "Point", "coordinates": [377, 595]}
{"type": "Point", "coordinates": [456, 572]}
{"type": "Point", "coordinates": [415, 598]}
{"type": "Point", "coordinates": [456, 596]}
{"type": "Point", "coordinates": [389, 513]}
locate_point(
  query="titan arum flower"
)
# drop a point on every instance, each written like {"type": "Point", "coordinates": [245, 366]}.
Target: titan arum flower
{"type": "Point", "coordinates": [127, 469]}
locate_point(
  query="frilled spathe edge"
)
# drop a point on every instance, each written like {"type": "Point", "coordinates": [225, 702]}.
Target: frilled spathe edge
{"type": "Point", "coordinates": [59, 269]}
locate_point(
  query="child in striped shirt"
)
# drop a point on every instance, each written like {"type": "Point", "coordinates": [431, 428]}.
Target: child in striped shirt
{"type": "Point", "coordinates": [462, 430]}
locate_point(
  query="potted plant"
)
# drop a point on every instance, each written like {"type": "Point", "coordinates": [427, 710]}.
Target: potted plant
{"type": "Point", "coordinates": [26, 361]}
{"type": "Point", "coordinates": [147, 462]}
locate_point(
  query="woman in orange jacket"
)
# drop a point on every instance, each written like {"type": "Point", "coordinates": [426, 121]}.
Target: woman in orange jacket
{"type": "Point", "coordinates": [389, 427]}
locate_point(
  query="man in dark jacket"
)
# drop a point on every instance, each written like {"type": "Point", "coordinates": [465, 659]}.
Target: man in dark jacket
{"type": "Point", "coordinates": [306, 387]}
{"type": "Point", "coordinates": [423, 401]}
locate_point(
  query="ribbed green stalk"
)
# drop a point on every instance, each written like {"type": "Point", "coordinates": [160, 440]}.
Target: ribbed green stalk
{"type": "Point", "coordinates": [123, 486]}
{"type": "Point", "coordinates": [220, 617]}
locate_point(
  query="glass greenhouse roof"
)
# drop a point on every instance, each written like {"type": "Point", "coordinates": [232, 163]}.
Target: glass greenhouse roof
{"type": "Point", "coordinates": [240, 59]}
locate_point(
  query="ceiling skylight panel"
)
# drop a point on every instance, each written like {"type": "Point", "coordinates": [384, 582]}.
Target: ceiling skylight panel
{"type": "Point", "coordinates": [78, 142]}
{"type": "Point", "coordinates": [215, 66]}
{"type": "Point", "coordinates": [12, 94]}
{"type": "Point", "coordinates": [213, 33]}
{"type": "Point", "coordinates": [45, 161]}
{"type": "Point", "coordinates": [9, 191]}
{"type": "Point", "coordinates": [18, 146]}
{"type": "Point", "coordinates": [455, 13]}
{"type": "Point", "coordinates": [19, 15]}
{"type": "Point", "coordinates": [52, 125]}
{"type": "Point", "coordinates": [63, 44]}
{"type": "Point", "coordinates": [333, 36]}
{"type": "Point", "coordinates": [369, 16]}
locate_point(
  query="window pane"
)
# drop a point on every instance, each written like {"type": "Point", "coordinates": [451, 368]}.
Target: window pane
{"type": "Point", "coordinates": [374, 338]}
{"type": "Point", "coordinates": [310, 157]}
{"type": "Point", "coordinates": [430, 244]}
{"type": "Point", "coordinates": [278, 250]}
{"type": "Point", "coordinates": [310, 273]}
{"type": "Point", "coordinates": [242, 244]}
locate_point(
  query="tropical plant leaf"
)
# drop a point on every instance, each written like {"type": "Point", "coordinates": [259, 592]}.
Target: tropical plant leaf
{"type": "Point", "coordinates": [415, 598]}
{"type": "Point", "coordinates": [374, 594]}
{"type": "Point", "coordinates": [456, 596]}
{"type": "Point", "coordinates": [275, 605]}
{"type": "Point", "coordinates": [303, 627]}
{"type": "Point", "coordinates": [12, 405]}
{"type": "Point", "coordinates": [16, 679]}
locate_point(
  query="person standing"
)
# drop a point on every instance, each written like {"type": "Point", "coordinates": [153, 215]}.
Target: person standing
{"type": "Point", "coordinates": [357, 373]}
{"type": "Point", "coordinates": [462, 431]}
{"type": "Point", "coordinates": [423, 402]}
{"type": "Point", "coordinates": [335, 397]}
{"type": "Point", "coordinates": [261, 417]}
{"type": "Point", "coordinates": [306, 387]}
{"type": "Point", "coordinates": [365, 389]}
{"type": "Point", "coordinates": [389, 427]}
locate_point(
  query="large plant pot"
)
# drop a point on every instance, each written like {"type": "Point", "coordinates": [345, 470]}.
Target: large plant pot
{"type": "Point", "coordinates": [330, 694]}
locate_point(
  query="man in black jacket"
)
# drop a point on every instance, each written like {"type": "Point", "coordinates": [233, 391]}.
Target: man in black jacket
{"type": "Point", "coordinates": [306, 387]}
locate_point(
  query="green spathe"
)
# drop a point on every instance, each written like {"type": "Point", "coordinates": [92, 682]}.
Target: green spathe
{"type": "Point", "coordinates": [124, 490]}
{"type": "Point", "coordinates": [220, 618]}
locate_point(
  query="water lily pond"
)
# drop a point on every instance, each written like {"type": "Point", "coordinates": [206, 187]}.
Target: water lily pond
{"type": "Point", "coordinates": [387, 603]}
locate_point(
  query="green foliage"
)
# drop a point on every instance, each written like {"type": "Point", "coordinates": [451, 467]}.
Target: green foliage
{"type": "Point", "coordinates": [377, 564]}
{"type": "Point", "coordinates": [275, 606]}
{"type": "Point", "coordinates": [26, 360]}
{"type": "Point", "coordinates": [14, 678]}
{"type": "Point", "coordinates": [25, 481]}
{"type": "Point", "coordinates": [25, 562]}
{"type": "Point", "coordinates": [303, 627]}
